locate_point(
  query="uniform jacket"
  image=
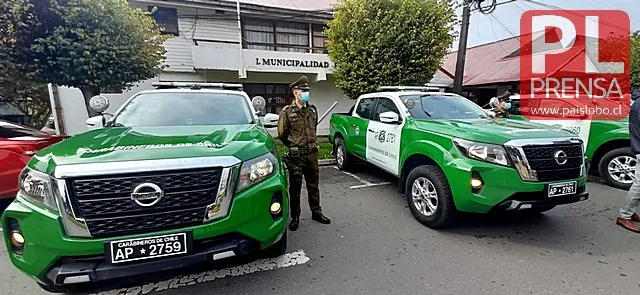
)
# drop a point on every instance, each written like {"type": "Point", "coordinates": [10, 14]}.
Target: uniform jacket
{"type": "Point", "coordinates": [501, 113]}
{"type": "Point", "coordinates": [634, 128]}
{"type": "Point", "coordinates": [297, 126]}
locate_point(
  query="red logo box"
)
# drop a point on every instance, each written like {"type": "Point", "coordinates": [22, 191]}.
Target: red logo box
{"type": "Point", "coordinates": [574, 64]}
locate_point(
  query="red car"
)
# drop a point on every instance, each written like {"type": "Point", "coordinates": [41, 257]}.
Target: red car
{"type": "Point", "coordinates": [17, 144]}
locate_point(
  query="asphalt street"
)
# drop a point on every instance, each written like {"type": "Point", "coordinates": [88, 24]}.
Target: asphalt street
{"type": "Point", "coordinates": [375, 246]}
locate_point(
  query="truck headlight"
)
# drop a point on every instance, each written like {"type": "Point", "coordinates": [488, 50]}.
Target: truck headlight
{"type": "Point", "coordinates": [486, 152]}
{"type": "Point", "coordinates": [36, 187]}
{"type": "Point", "coordinates": [256, 170]}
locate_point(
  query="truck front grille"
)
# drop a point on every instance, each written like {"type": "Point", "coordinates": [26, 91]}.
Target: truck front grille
{"type": "Point", "coordinates": [105, 202]}
{"type": "Point", "coordinates": [542, 160]}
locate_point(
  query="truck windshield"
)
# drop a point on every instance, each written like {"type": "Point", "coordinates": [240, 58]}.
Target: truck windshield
{"type": "Point", "coordinates": [434, 107]}
{"type": "Point", "coordinates": [184, 108]}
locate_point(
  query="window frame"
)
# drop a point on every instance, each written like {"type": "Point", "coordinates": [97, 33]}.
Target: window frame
{"type": "Point", "coordinates": [273, 26]}
{"type": "Point", "coordinates": [375, 106]}
{"type": "Point", "coordinates": [376, 115]}
{"type": "Point", "coordinates": [159, 26]}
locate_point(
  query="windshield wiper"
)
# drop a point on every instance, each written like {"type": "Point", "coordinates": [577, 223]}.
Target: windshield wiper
{"type": "Point", "coordinates": [422, 105]}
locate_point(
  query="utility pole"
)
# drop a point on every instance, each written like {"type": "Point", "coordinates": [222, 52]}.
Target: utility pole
{"type": "Point", "coordinates": [462, 48]}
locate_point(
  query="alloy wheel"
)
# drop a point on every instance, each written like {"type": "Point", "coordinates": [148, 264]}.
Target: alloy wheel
{"type": "Point", "coordinates": [425, 196]}
{"type": "Point", "coordinates": [622, 169]}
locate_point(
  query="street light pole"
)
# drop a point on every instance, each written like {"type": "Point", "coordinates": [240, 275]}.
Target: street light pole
{"type": "Point", "coordinates": [462, 48]}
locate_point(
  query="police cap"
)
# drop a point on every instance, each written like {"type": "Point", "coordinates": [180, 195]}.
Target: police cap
{"type": "Point", "coordinates": [302, 83]}
{"type": "Point", "coordinates": [505, 97]}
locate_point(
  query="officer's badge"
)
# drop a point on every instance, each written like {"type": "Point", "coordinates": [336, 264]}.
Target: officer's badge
{"type": "Point", "coordinates": [357, 130]}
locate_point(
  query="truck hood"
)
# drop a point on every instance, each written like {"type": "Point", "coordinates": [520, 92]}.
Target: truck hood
{"type": "Point", "coordinates": [152, 143]}
{"type": "Point", "coordinates": [496, 131]}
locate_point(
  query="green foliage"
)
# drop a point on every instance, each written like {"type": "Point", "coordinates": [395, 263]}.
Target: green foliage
{"type": "Point", "coordinates": [635, 60]}
{"type": "Point", "coordinates": [388, 42]}
{"type": "Point", "coordinates": [88, 44]}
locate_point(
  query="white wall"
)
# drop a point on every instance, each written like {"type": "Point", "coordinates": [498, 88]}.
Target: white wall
{"type": "Point", "coordinates": [202, 27]}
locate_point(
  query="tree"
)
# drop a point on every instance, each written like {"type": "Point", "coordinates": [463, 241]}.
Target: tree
{"type": "Point", "coordinates": [635, 60]}
{"type": "Point", "coordinates": [89, 44]}
{"type": "Point", "coordinates": [388, 42]}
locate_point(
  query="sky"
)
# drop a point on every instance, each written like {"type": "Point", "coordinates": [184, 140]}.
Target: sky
{"type": "Point", "coordinates": [485, 28]}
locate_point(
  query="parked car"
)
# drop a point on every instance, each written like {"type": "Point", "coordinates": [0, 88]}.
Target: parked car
{"type": "Point", "coordinates": [450, 156]}
{"type": "Point", "coordinates": [179, 176]}
{"type": "Point", "coordinates": [18, 144]}
{"type": "Point", "coordinates": [607, 144]}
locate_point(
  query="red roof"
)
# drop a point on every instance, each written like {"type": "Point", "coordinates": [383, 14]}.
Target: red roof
{"type": "Point", "coordinates": [494, 62]}
{"type": "Point", "coordinates": [486, 64]}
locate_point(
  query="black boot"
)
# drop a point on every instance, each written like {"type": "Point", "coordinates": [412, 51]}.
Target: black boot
{"type": "Point", "coordinates": [295, 221]}
{"type": "Point", "coordinates": [320, 218]}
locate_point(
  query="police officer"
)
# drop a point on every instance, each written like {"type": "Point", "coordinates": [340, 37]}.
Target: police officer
{"type": "Point", "coordinates": [503, 106]}
{"type": "Point", "coordinates": [297, 131]}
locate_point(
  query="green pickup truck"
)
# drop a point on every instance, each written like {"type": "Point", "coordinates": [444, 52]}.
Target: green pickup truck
{"type": "Point", "coordinates": [181, 175]}
{"type": "Point", "coordinates": [450, 156]}
{"type": "Point", "coordinates": [606, 142]}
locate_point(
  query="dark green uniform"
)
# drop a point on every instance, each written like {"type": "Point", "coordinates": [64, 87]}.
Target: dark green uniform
{"type": "Point", "coordinates": [501, 113]}
{"type": "Point", "coordinates": [297, 128]}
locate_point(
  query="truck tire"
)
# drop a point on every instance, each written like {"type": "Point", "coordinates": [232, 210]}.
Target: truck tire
{"type": "Point", "coordinates": [343, 160]}
{"type": "Point", "coordinates": [621, 158]}
{"type": "Point", "coordinates": [429, 197]}
{"type": "Point", "coordinates": [279, 248]}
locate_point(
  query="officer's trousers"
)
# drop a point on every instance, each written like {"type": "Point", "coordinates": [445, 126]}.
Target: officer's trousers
{"type": "Point", "coordinates": [304, 165]}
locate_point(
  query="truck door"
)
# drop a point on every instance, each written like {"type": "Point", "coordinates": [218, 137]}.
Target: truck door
{"type": "Point", "coordinates": [358, 123]}
{"type": "Point", "coordinates": [383, 138]}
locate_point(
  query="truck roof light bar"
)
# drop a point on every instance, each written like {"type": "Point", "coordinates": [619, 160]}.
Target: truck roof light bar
{"type": "Point", "coordinates": [410, 88]}
{"type": "Point", "coordinates": [197, 85]}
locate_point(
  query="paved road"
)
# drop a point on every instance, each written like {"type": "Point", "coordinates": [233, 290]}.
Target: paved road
{"type": "Point", "coordinates": [374, 246]}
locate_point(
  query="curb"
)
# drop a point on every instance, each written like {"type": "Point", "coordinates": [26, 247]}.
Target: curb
{"type": "Point", "coordinates": [326, 162]}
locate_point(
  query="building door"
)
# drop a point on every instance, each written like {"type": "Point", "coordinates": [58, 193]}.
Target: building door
{"type": "Point", "coordinates": [276, 95]}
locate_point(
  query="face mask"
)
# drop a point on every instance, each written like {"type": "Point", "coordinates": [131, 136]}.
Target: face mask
{"type": "Point", "coordinates": [304, 96]}
{"type": "Point", "coordinates": [507, 105]}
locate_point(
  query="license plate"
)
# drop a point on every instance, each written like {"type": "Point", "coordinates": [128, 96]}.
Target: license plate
{"type": "Point", "coordinates": [562, 189]}
{"type": "Point", "coordinates": [147, 248]}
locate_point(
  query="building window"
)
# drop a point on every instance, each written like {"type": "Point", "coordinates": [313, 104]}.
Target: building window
{"type": "Point", "coordinates": [279, 36]}
{"type": "Point", "coordinates": [319, 39]}
{"type": "Point", "coordinates": [276, 95]}
{"type": "Point", "coordinates": [166, 19]}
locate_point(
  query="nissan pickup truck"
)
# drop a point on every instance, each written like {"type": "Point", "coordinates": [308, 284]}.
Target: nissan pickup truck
{"type": "Point", "coordinates": [450, 156]}
{"type": "Point", "coordinates": [606, 141]}
{"type": "Point", "coordinates": [181, 175]}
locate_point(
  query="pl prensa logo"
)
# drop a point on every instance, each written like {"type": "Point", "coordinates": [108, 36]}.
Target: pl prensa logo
{"type": "Point", "coordinates": [574, 64]}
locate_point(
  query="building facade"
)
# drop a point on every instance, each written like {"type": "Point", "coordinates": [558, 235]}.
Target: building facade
{"type": "Point", "coordinates": [265, 47]}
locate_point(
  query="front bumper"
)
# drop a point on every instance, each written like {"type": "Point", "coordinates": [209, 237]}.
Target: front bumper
{"type": "Point", "coordinates": [49, 255]}
{"type": "Point", "coordinates": [93, 269]}
{"type": "Point", "coordinates": [502, 188]}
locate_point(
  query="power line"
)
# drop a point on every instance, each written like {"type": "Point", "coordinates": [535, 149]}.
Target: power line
{"type": "Point", "coordinates": [550, 6]}
{"type": "Point", "coordinates": [505, 27]}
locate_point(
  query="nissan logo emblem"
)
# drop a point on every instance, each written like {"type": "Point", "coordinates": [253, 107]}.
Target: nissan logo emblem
{"type": "Point", "coordinates": [560, 157]}
{"type": "Point", "coordinates": [147, 194]}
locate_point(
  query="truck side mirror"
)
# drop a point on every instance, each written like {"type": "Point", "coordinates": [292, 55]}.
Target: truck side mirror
{"type": "Point", "coordinates": [96, 122]}
{"type": "Point", "coordinates": [271, 120]}
{"type": "Point", "coordinates": [390, 118]}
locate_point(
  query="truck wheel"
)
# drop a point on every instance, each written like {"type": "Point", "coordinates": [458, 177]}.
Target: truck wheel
{"type": "Point", "coordinates": [61, 289]}
{"type": "Point", "coordinates": [617, 167]}
{"type": "Point", "coordinates": [343, 160]}
{"type": "Point", "coordinates": [279, 248]}
{"type": "Point", "coordinates": [429, 197]}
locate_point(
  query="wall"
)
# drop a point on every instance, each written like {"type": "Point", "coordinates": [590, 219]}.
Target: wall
{"type": "Point", "coordinates": [194, 24]}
